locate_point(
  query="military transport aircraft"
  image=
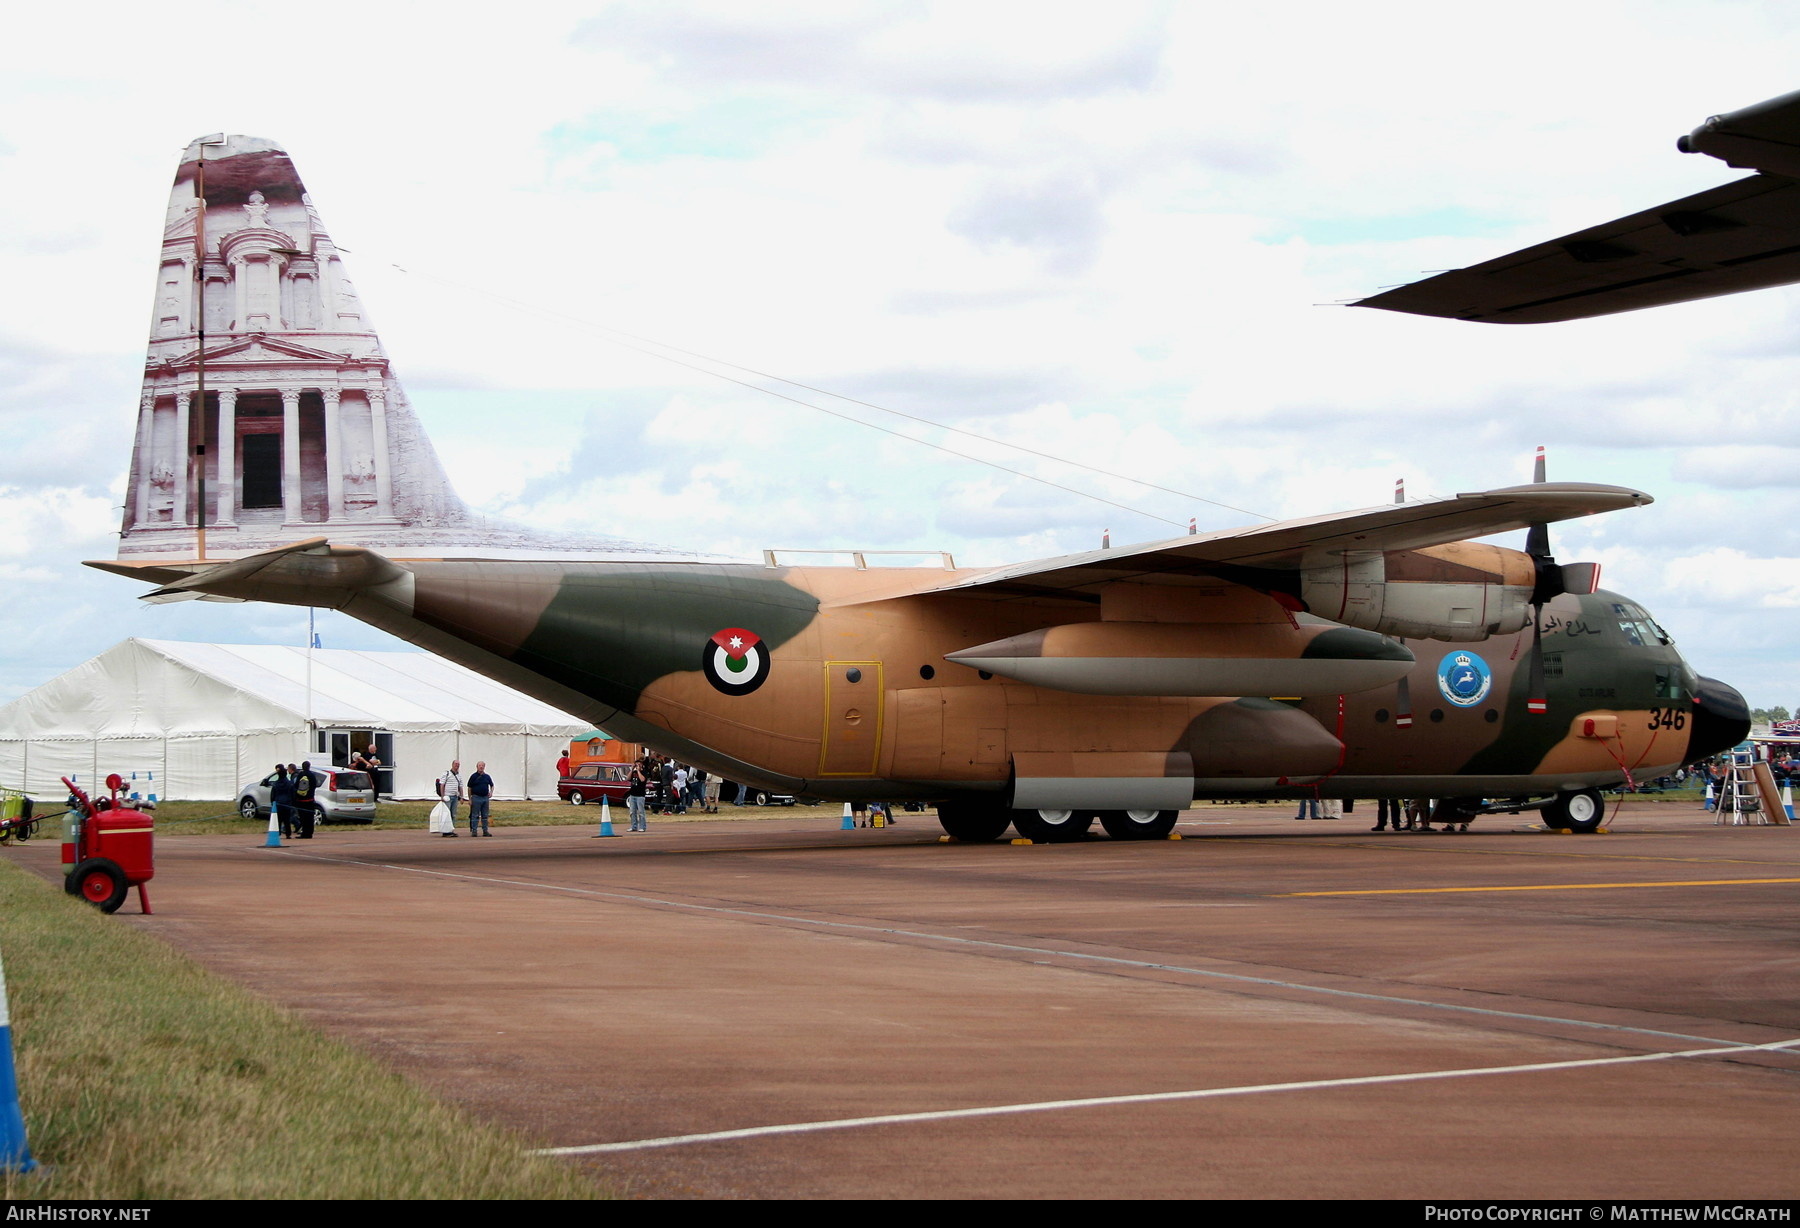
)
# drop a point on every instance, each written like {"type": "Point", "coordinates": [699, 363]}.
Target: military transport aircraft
{"type": "Point", "coordinates": [1743, 235]}
{"type": "Point", "coordinates": [1360, 654]}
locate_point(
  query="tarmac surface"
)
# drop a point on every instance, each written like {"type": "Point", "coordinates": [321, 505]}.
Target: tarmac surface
{"type": "Point", "coordinates": [1262, 1009]}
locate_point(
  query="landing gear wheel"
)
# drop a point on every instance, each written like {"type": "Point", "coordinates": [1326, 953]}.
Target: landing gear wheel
{"type": "Point", "coordinates": [1582, 812]}
{"type": "Point", "coordinates": [973, 822]}
{"type": "Point", "coordinates": [249, 809]}
{"type": "Point", "coordinates": [576, 799]}
{"type": "Point", "coordinates": [100, 882]}
{"type": "Point", "coordinates": [1138, 824]}
{"type": "Point", "coordinates": [1052, 826]}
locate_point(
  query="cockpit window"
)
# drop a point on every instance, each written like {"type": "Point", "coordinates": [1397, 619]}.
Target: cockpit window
{"type": "Point", "coordinates": [1668, 683]}
{"type": "Point", "coordinates": [1637, 626]}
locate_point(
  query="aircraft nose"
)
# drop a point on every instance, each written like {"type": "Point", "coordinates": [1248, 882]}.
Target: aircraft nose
{"type": "Point", "coordinates": [1721, 719]}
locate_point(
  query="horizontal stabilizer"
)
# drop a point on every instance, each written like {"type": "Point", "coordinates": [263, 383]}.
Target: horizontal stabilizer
{"type": "Point", "coordinates": [311, 572]}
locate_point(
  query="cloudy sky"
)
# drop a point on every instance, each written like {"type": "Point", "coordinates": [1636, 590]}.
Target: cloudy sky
{"type": "Point", "coordinates": [1109, 233]}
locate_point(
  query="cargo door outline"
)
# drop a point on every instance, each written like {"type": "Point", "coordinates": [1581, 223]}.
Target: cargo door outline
{"type": "Point", "coordinates": [850, 738]}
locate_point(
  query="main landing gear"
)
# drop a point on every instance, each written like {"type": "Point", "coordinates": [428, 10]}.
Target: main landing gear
{"type": "Point", "coordinates": [977, 822]}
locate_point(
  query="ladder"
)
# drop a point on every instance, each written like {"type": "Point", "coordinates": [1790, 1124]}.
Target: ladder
{"type": "Point", "coordinates": [1739, 801]}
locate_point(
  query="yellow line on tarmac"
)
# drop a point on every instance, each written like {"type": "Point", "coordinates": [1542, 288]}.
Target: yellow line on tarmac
{"type": "Point", "coordinates": [1704, 882]}
{"type": "Point", "coordinates": [1464, 850]}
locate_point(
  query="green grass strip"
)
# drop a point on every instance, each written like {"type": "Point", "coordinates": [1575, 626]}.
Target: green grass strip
{"type": "Point", "coordinates": [143, 1076]}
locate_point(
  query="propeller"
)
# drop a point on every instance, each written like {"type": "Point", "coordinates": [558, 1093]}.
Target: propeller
{"type": "Point", "coordinates": [1551, 580]}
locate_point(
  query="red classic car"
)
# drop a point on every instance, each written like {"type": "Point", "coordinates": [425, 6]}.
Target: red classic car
{"type": "Point", "coordinates": [592, 781]}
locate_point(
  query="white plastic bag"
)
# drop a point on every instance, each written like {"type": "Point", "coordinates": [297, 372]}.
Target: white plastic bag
{"type": "Point", "coordinates": [441, 821]}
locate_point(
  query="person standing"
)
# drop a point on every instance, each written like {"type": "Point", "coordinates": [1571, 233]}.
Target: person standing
{"type": "Point", "coordinates": [306, 809]}
{"type": "Point", "coordinates": [678, 791]}
{"type": "Point", "coordinates": [450, 788]}
{"type": "Point", "coordinates": [635, 790]}
{"type": "Point", "coordinates": [281, 800]}
{"type": "Point", "coordinates": [1386, 809]}
{"type": "Point", "coordinates": [368, 761]}
{"type": "Point", "coordinates": [668, 786]}
{"type": "Point", "coordinates": [562, 766]}
{"type": "Point", "coordinates": [481, 792]}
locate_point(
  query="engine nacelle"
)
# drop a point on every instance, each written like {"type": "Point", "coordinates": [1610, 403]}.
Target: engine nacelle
{"type": "Point", "coordinates": [1459, 592]}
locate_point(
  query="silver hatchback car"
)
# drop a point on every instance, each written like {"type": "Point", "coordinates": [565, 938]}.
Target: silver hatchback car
{"type": "Point", "coordinates": [343, 796]}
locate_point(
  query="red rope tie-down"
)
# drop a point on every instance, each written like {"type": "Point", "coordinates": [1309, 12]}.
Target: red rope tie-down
{"type": "Point", "coordinates": [1624, 767]}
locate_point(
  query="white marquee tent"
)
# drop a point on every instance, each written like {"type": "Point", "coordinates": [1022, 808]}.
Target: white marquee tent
{"type": "Point", "coordinates": [199, 720]}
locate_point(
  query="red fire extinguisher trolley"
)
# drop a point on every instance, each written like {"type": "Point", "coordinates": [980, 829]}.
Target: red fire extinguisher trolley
{"type": "Point", "coordinates": [106, 848]}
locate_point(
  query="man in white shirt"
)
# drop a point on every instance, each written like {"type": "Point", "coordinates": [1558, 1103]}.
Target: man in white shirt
{"type": "Point", "coordinates": [450, 788]}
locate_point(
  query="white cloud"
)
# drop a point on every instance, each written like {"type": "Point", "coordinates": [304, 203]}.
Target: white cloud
{"type": "Point", "coordinates": [1102, 234]}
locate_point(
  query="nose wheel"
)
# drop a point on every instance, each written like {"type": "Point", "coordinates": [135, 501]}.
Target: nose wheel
{"type": "Point", "coordinates": [1582, 811]}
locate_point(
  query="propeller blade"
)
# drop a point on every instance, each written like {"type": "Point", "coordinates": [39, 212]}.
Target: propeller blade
{"type": "Point", "coordinates": [1537, 703]}
{"type": "Point", "coordinates": [1537, 537]}
{"type": "Point", "coordinates": [1580, 578]}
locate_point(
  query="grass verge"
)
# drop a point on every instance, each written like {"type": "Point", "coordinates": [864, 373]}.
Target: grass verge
{"type": "Point", "coordinates": [143, 1076]}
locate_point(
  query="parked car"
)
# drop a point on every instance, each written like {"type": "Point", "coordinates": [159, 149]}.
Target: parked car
{"type": "Point", "coordinates": [343, 796]}
{"type": "Point", "coordinates": [592, 781]}
{"type": "Point", "coordinates": [753, 796]}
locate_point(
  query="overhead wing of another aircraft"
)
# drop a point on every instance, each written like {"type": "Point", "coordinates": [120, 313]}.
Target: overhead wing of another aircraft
{"type": "Point", "coordinates": [1289, 545]}
{"type": "Point", "coordinates": [1739, 236]}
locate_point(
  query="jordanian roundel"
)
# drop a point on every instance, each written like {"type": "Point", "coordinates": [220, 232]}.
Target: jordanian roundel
{"type": "Point", "coordinates": [735, 661]}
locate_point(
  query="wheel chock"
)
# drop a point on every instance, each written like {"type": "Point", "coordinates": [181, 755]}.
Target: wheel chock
{"type": "Point", "coordinates": [1021, 841]}
{"type": "Point", "coordinates": [1174, 835]}
{"type": "Point", "coordinates": [943, 839]}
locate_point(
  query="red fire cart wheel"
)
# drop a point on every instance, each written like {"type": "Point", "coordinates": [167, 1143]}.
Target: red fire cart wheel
{"type": "Point", "coordinates": [100, 882]}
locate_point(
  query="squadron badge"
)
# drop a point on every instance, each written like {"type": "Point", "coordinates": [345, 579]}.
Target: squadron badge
{"type": "Point", "coordinates": [735, 661]}
{"type": "Point", "coordinates": [1464, 679]}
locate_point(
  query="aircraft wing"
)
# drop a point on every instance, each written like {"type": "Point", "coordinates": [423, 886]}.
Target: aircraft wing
{"type": "Point", "coordinates": [1265, 551]}
{"type": "Point", "coordinates": [1738, 236]}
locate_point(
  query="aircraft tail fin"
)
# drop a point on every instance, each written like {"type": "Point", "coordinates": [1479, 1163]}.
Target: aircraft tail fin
{"type": "Point", "coordinates": [269, 411]}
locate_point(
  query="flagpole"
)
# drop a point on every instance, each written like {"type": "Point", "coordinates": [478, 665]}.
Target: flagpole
{"type": "Point", "coordinates": [312, 735]}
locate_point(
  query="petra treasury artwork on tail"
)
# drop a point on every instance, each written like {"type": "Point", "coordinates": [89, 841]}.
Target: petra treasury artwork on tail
{"type": "Point", "coordinates": [1371, 653]}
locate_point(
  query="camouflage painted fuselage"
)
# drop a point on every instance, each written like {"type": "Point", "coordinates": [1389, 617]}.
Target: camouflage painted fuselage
{"type": "Point", "coordinates": [857, 698]}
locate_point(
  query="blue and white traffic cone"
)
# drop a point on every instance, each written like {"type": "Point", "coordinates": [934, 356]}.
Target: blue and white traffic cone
{"type": "Point", "coordinates": [1710, 802]}
{"type": "Point", "coordinates": [15, 1155]}
{"type": "Point", "coordinates": [1787, 799]}
{"type": "Point", "coordinates": [849, 823]}
{"type": "Point", "coordinates": [274, 840]}
{"type": "Point", "coordinates": [605, 819]}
